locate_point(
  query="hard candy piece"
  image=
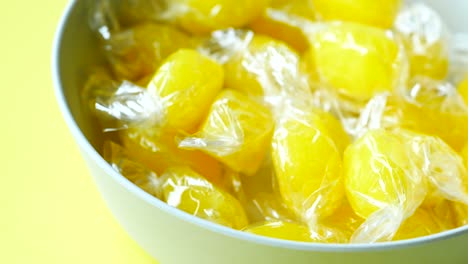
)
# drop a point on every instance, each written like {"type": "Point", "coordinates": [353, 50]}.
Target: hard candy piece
{"type": "Point", "coordinates": [372, 59]}
{"type": "Point", "coordinates": [187, 83]}
{"type": "Point", "coordinates": [188, 191]}
{"type": "Point", "coordinates": [237, 132]}
{"type": "Point", "coordinates": [308, 166]}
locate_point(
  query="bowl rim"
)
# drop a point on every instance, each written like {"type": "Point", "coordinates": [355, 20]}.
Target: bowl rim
{"type": "Point", "coordinates": [86, 147]}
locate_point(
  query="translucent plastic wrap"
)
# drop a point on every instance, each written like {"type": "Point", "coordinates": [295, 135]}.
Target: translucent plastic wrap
{"type": "Point", "coordinates": [427, 106]}
{"type": "Point", "coordinates": [384, 182]}
{"type": "Point", "coordinates": [423, 222]}
{"type": "Point", "coordinates": [237, 132]}
{"type": "Point", "coordinates": [137, 52]}
{"type": "Point", "coordinates": [190, 192]}
{"type": "Point", "coordinates": [261, 197]}
{"type": "Point", "coordinates": [373, 59]}
{"type": "Point", "coordinates": [389, 174]}
{"type": "Point", "coordinates": [160, 153]}
{"type": "Point", "coordinates": [204, 16]}
{"type": "Point", "coordinates": [426, 40]}
{"type": "Point", "coordinates": [343, 222]}
{"type": "Point", "coordinates": [282, 230]}
{"type": "Point", "coordinates": [371, 12]}
{"type": "Point", "coordinates": [308, 165]}
{"type": "Point", "coordinates": [180, 187]}
{"type": "Point", "coordinates": [123, 162]}
{"type": "Point", "coordinates": [177, 97]}
{"type": "Point", "coordinates": [283, 20]}
{"type": "Point", "coordinates": [258, 65]}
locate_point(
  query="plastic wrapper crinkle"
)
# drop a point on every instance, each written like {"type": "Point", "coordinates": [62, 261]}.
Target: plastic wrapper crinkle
{"type": "Point", "coordinates": [308, 166]}
{"type": "Point", "coordinates": [389, 174]}
{"type": "Point", "coordinates": [182, 188]}
{"type": "Point", "coordinates": [427, 106]}
{"type": "Point", "coordinates": [258, 65]}
{"type": "Point", "coordinates": [237, 132]}
{"type": "Point", "coordinates": [177, 98]}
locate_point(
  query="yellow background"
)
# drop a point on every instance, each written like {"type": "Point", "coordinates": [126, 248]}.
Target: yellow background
{"type": "Point", "coordinates": [51, 211]}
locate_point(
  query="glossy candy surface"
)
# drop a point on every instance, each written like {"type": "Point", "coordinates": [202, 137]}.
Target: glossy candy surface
{"type": "Point", "coordinates": [237, 132]}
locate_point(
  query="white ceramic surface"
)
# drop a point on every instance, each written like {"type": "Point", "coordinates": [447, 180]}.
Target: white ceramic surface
{"type": "Point", "coordinates": [172, 236]}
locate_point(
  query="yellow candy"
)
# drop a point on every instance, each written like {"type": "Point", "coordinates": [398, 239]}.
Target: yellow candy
{"type": "Point", "coordinates": [436, 108]}
{"type": "Point", "coordinates": [161, 153]}
{"type": "Point", "coordinates": [123, 161]}
{"type": "Point", "coordinates": [266, 67]}
{"type": "Point", "coordinates": [344, 221]}
{"type": "Point", "coordinates": [237, 132]}
{"type": "Point", "coordinates": [187, 84]}
{"type": "Point", "coordinates": [425, 40]}
{"type": "Point", "coordinates": [334, 129]}
{"type": "Point", "coordinates": [283, 21]}
{"type": "Point", "coordinates": [463, 89]}
{"type": "Point", "coordinates": [371, 12]}
{"type": "Point", "coordinates": [444, 169]}
{"type": "Point", "coordinates": [379, 173]}
{"type": "Point", "coordinates": [308, 166]}
{"type": "Point", "coordinates": [137, 52]}
{"type": "Point", "coordinates": [262, 200]}
{"type": "Point", "coordinates": [185, 189]}
{"type": "Point", "coordinates": [421, 223]}
{"type": "Point", "coordinates": [203, 16]}
{"type": "Point", "coordinates": [371, 58]}
{"type": "Point", "coordinates": [461, 214]}
{"type": "Point", "coordinates": [282, 230]}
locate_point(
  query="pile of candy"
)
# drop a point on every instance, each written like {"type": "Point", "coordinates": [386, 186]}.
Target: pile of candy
{"type": "Point", "coordinates": [311, 120]}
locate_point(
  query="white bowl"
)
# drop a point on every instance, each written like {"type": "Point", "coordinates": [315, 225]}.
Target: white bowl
{"type": "Point", "coordinates": [172, 236]}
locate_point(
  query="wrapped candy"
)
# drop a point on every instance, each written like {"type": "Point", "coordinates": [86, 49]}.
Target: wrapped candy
{"type": "Point", "coordinates": [180, 187]}
{"type": "Point", "coordinates": [282, 230]}
{"type": "Point", "coordinates": [426, 40]}
{"type": "Point", "coordinates": [136, 52]}
{"type": "Point", "coordinates": [237, 132]}
{"type": "Point", "coordinates": [187, 190]}
{"type": "Point", "coordinates": [422, 223]}
{"type": "Point", "coordinates": [177, 98]}
{"type": "Point", "coordinates": [373, 59]}
{"type": "Point", "coordinates": [258, 65]}
{"type": "Point", "coordinates": [426, 106]}
{"type": "Point", "coordinates": [384, 184]}
{"type": "Point", "coordinates": [108, 16]}
{"type": "Point", "coordinates": [261, 197]}
{"type": "Point", "coordinates": [204, 16]}
{"type": "Point", "coordinates": [343, 222]}
{"type": "Point", "coordinates": [160, 153]}
{"type": "Point", "coordinates": [308, 165]}
{"type": "Point", "coordinates": [283, 20]}
{"type": "Point", "coordinates": [371, 12]}
{"type": "Point", "coordinates": [123, 162]}
{"type": "Point", "coordinates": [435, 108]}
{"type": "Point", "coordinates": [389, 174]}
